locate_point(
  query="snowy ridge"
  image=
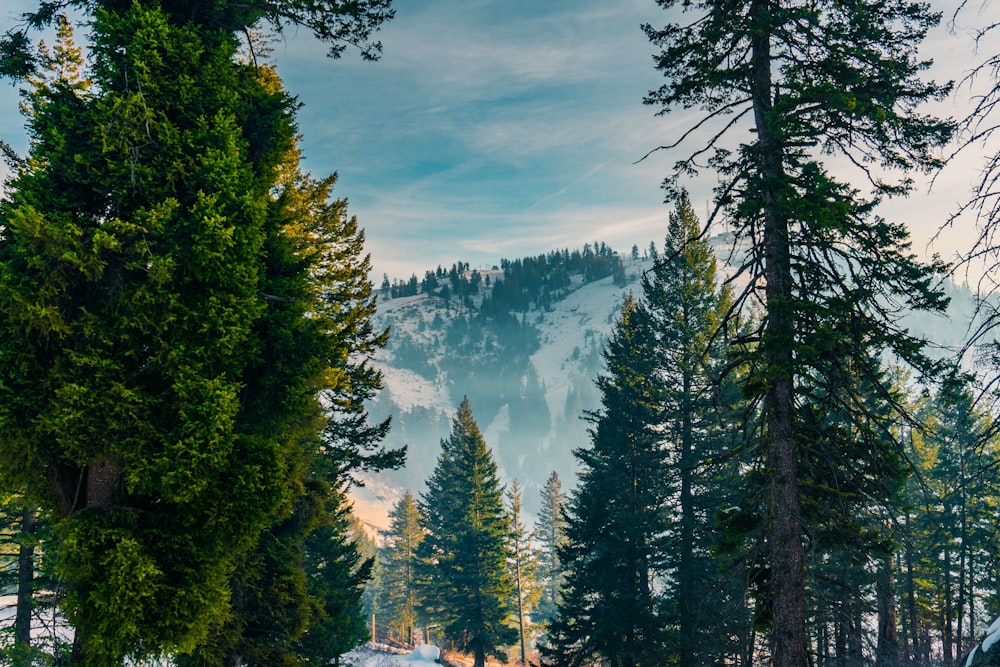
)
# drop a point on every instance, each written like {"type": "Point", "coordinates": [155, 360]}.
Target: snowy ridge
{"type": "Point", "coordinates": [529, 385]}
{"type": "Point", "coordinates": [423, 383]}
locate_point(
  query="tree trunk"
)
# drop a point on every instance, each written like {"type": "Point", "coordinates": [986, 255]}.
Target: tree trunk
{"type": "Point", "coordinates": [785, 520]}
{"type": "Point", "coordinates": [947, 638]}
{"type": "Point", "coordinates": [102, 479]}
{"type": "Point", "coordinates": [887, 652]}
{"type": "Point", "coordinates": [686, 608]}
{"type": "Point", "coordinates": [911, 602]}
{"type": "Point", "coordinates": [520, 604]}
{"type": "Point", "coordinates": [25, 590]}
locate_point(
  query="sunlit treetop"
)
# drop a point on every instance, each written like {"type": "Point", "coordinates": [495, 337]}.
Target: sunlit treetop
{"type": "Point", "coordinates": [337, 23]}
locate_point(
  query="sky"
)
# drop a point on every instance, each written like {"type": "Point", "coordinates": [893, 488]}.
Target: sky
{"type": "Point", "coordinates": [505, 128]}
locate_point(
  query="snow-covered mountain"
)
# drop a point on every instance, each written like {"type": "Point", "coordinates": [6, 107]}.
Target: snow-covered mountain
{"type": "Point", "coordinates": [528, 371]}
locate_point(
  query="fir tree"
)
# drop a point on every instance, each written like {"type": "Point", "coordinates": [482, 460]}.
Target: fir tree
{"type": "Point", "coordinates": [821, 78]}
{"type": "Point", "coordinates": [666, 405]}
{"type": "Point", "coordinates": [693, 320]}
{"type": "Point", "coordinates": [467, 585]}
{"type": "Point", "coordinates": [617, 519]}
{"type": "Point", "coordinates": [165, 337]}
{"type": "Point", "coordinates": [524, 567]}
{"type": "Point", "coordinates": [398, 602]}
{"type": "Point", "coordinates": [550, 534]}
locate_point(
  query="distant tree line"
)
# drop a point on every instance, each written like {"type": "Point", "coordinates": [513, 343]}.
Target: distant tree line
{"type": "Point", "coordinates": [526, 283]}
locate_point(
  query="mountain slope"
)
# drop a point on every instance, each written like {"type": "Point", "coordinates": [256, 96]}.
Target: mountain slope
{"type": "Point", "coordinates": [528, 370]}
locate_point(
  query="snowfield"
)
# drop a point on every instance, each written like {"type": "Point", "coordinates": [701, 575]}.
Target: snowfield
{"type": "Point", "coordinates": [422, 656]}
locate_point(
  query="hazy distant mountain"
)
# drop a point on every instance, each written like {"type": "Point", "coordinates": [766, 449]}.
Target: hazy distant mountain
{"type": "Point", "coordinates": [523, 341]}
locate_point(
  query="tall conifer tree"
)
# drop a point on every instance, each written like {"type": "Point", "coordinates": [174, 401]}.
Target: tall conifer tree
{"type": "Point", "coordinates": [617, 521]}
{"type": "Point", "coordinates": [162, 355]}
{"type": "Point", "coordinates": [468, 588]}
{"type": "Point", "coordinates": [694, 322]}
{"type": "Point", "coordinates": [666, 406]}
{"type": "Point", "coordinates": [809, 79]}
{"type": "Point", "coordinates": [550, 534]}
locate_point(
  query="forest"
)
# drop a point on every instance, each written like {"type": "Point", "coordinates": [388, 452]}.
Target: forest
{"type": "Point", "coordinates": [780, 472]}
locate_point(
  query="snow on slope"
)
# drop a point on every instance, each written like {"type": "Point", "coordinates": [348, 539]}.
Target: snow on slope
{"type": "Point", "coordinates": [570, 335]}
{"type": "Point", "coordinates": [580, 321]}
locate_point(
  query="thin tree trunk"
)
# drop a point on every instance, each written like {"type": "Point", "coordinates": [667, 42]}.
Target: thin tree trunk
{"type": "Point", "coordinates": [911, 599]}
{"type": "Point", "coordinates": [947, 638]}
{"type": "Point", "coordinates": [25, 590]}
{"type": "Point", "coordinates": [520, 603]}
{"type": "Point", "coordinates": [887, 652]}
{"type": "Point", "coordinates": [685, 576]}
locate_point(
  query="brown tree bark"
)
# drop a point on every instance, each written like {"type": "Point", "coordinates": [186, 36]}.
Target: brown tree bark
{"type": "Point", "coordinates": [785, 520]}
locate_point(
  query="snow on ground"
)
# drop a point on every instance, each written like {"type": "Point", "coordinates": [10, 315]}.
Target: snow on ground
{"type": "Point", "coordinates": [422, 656]}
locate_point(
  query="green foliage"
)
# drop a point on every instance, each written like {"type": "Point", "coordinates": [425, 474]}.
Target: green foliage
{"type": "Point", "coordinates": [618, 516]}
{"type": "Point", "coordinates": [809, 80]}
{"type": "Point", "coordinates": [550, 536]}
{"type": "Point", "coordinates": [187, 333]}
{"type": "Point", "coordinates": [948, 587]}
{"type": "Point", "coordinates": [466, 584]}
{"type": "Point", "coordinates": [660, 468]}
{"type": "Point", "coordinates": [397, 564]}
{"type": "Point", "coordinates": [523, 566]}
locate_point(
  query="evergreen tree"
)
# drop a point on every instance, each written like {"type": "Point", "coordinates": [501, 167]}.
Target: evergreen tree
{"type": "Point", "coordinates": [617, 520]}
{"type": "Point", "coordinates": [852, 482]}
{"type": "Point", "coordinates": [550, 534]}
{"type": "Point", "coordinates": [162, 356]}
{"type": "Point", "coordinates": [683, 423]}
{"type": "Point", "coordinates": [699, 418]}
{"type": "Point", "coordinates": [302, 581]}
{"type": "Point", "coordinates": [949, 565]}
{"type": "Point", "coordinates": [398, 602]}
{"type": "Point", "coordinates": [467, 586]}
{"type": "Point", "coordinates": [826, 77]}
{"type": "Point", "coordinates": [337, 571]}
{"type": "Point", "coordinates": [26, 548]}
{"type": "Point", "coordinates": [523, 565]}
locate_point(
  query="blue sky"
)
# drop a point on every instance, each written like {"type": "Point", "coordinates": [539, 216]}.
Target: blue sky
{"type": "Point", "coordinates": [502, 128]}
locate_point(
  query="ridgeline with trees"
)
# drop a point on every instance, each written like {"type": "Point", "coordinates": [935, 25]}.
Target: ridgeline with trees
{"type": "Point", "coordinates": [778, 470]}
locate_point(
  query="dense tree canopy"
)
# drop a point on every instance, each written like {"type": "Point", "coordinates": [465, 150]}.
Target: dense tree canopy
{"type": "Point", "coordinates": [810, 79]}
{"type": "Point", "coordinates": [186, 320]}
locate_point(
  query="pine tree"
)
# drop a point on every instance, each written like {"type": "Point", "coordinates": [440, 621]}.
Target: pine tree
{"type": "Point", "coordinates": [337, 572]}
{"type": "Point", "coordinates": [665, 376]}
{"type": "Point", "coordinates": [690, 314]}
{"type": "Point", "coordinates": [550, 534]}
{"type": "Point", "coordinates": [398, 602]}
{"type": "Point", "coordinates": [617, 521]}
{"type": "Point", "coordinates": [827, 77]}
{"type": "Point", "coordinates": [951, 537]}
{"type": "Point", "coordinates": [523, 565]}
{"type": "Point", "coordinates": [26, 548]}
{"type": "Point", "coordinates": [163, 364]}
{"type": "Point", "coordinates": [302, 580]}
{"type": "Point", "coordinates": [467, 586]}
